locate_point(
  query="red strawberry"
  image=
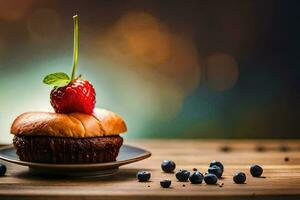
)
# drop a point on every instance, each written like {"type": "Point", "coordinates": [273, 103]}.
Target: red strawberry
{"type": "Point", "coordinates": [71, 94]}
{"type": "Point", "coordinates": [77, 96]}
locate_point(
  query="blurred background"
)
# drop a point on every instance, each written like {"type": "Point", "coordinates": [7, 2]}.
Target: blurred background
{"type": "Point", "coordinates": [172, 69]}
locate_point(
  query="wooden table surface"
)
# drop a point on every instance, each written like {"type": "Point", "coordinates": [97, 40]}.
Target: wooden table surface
{"type": "Point", "coordinates": [280, 160]}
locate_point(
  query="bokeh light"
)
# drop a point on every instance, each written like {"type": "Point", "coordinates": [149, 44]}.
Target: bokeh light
{"type": "Point", "coordinates": [221, 71]}
{"type": "Point", "coordinates": [155, 68]}
{"type": "Point", "coordinates": [140, 37]}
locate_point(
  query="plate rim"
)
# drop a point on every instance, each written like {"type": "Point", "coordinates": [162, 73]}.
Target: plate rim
{"type": "Point", "coordinates": [143, 156]}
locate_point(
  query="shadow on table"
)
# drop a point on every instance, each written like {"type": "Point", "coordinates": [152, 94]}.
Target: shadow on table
{"type": "Point", "coordinates": [121, 175]}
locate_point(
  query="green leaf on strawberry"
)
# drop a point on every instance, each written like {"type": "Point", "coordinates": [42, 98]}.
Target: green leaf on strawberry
{"type": "Point", "coordinates": [58, 79]}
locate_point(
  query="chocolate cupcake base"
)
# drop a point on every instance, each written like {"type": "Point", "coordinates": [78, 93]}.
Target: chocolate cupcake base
{"type": "Point", "coordinates": [62, 150]}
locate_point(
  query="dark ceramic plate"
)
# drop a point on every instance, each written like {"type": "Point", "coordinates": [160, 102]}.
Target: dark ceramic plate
{"type": "Point", "coordinates": [128, 154]}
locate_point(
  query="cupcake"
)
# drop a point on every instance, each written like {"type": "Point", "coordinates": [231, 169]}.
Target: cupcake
{"type": "Point", "coordinates": [76, 132]}
{"type": "Point", "coordinates": [68, 138]}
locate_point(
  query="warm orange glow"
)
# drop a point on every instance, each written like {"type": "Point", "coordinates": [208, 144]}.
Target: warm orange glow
{"type": "Point", "coordinates": [164, 66]}
{"type": "Point", "coordinates": [14, 10]}
{"type": "Point", "coordinates": [140, 37]}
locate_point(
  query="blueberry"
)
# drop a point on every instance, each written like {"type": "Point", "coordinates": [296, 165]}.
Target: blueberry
{"type": "Point", "coordinates": [182, 175]}
{"type": "Point", "coordinates": [239, 177]}
{"type": "Point", "coordinates": [143, 176]}
{"type": "Point", "coordinates": [216, 170]}
{"type": "Point", "coordinates": [256, 170]}
{"type": "Point", "coordinates": [217, 163]}
{"type": "Point", "coordinates": [196, 178]}
{"type": "Point", "coordinates": [2, 169]}
{"type": "Point", "coordinates": [168, 166]}
{"type": "Point", "coordinates": [165, 183]}
{"type": "Point", "coordinates": [210, 179]}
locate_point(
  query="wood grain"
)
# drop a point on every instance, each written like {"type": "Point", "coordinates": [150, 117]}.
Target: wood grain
{"type": "Point", "coordinates": [281, 177]}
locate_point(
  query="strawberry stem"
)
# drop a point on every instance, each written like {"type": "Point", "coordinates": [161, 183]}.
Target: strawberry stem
{"type": "Point", "coordinates": [75, 52]}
